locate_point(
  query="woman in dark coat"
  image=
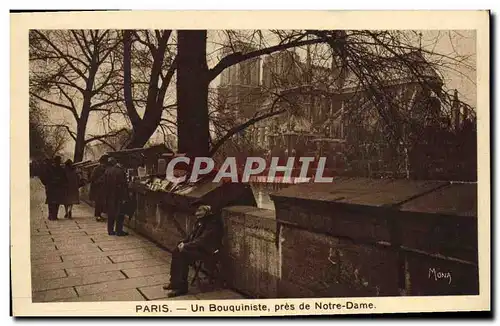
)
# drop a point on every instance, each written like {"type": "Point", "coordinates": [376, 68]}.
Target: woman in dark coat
{"type": "Point", "coordinates": [55, 187]}
{"type": "Point", "coordinates": [72, 195]}
{"type": "Point", "coordinates": [97, 191]}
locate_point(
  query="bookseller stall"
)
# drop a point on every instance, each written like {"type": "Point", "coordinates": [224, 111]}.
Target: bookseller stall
{"type": "Point", "coordinates": [165, 209]}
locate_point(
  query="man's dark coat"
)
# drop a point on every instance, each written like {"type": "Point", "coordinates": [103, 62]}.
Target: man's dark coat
{"type": "Point", "coordinates": [55, 184]}
{"type": "Point", "coordinates": [206, 236]}
{"type": "Point", "coordinates": [96, 192]}
{"type": "Point", "coordinates": [116, 190]}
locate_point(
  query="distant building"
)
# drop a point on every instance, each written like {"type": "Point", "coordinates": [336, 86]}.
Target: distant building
{"type": "Point", "coordinates": [239, 92]}
{"type": "Point", "coordinates": [329, 114]}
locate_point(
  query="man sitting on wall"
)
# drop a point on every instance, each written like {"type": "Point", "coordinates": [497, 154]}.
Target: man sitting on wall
{"type": "Point", "coordinates": [202, 242]}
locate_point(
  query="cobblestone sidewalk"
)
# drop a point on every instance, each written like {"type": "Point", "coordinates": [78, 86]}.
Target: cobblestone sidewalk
{"type": "Point", "coordinates": [76, 260]}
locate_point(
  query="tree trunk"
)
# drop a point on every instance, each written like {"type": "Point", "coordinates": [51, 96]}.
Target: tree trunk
{"type": "Point", "coordinates": [144, 128]}
{"type": "Point", "coordinates": [192, 93]}
{"type": "Point", "coordinates": [142, 134]}
{"type": "Point", "coordinates": [80, 130]}
{"type": "Point", "coordinates": [81, 126]}
{"type": "Point", "coordinates": [80, 140]}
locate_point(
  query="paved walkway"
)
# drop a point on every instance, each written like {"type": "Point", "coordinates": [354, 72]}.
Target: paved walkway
{"type": "Point", "coordinates": [76, 260]}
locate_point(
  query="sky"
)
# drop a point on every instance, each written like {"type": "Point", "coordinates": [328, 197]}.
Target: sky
{"type": "Point", "coordinates": [452, 43]}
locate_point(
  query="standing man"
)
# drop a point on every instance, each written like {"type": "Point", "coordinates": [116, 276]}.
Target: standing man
{"type": "Point", "coordinates": [71, 192]}
{"type": "Point", "coordinates": [204, 240]}
{"type": "Point", "coordinates": [55, 186]}
{"type": "Point", "coordinates": [116, 194]}
{"type": "Point", "coordinates": [97, 193]}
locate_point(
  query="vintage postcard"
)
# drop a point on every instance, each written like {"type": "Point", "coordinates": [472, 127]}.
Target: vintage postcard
{"type": "Point", "coordinates": [250, 163]}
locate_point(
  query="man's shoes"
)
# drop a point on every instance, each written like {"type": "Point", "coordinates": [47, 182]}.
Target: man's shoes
{"type": "Point", "coordinates": [168, 287]}
{"type": "Point", "coordinates": [121, 233]}
{"type": "Point", "coordinates": [112, 233]}
{"type": "Point", "coordinates": [176, 293]}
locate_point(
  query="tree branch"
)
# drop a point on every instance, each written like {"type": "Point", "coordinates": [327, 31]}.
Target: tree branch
{"type": "Point", "coordinates": [99, 137]}
{"type": "Point", "coordinates": [165, 82]}
{"type": "Point", "coordinates": [153, 111]}
{"type": "Point", "coordinates": [70, 83]}
{"type": "Point", "coordinates": [73, 107]}
{"type": "Point", "coordinates": [62, 55]}
{"type": "Point", "coordinates": [96, 106]}
{"type": "Point", "coordinates": [80, 44]}
{"type": "Point", "coordinates": [106, 81]}
{"type": "Point", "coordinates": [103, 141]}
{"type": "Point", "coordinates": [231, 132]}
{"type": "Point", "coordinates": [70, 132]}
{"type": "Point", "coordinates": [134, 117]}
{"type": "Point", "coordinates": [151, 47]}
{"type": "Point", "coordinates": [238, 57]}
{"type": "Point", "coordinates": [64, 106]}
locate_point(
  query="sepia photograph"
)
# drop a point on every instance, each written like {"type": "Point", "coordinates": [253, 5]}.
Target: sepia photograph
{"type": "Point", "coordinates": [188, 171]}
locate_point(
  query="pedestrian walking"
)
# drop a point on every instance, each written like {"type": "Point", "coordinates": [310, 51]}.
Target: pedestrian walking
{"type": "Point", "coordinates": [55, 187]}
{"type": "Point", "coordinates": [116, 187]}
{"type": "Point", "coordinates": [72, 195]}
{"type": "Point", "coordinates": [97, 191]}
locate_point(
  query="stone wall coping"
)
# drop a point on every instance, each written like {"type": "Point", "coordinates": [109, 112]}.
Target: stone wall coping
{"type": "Point", "coordinates": [360, 191]}
{"type": "Point", "coordinates": [253, 211]}
{"type": "Point", "coordinates": [252, 217]}
{"type": "Point", "coordinates": [456, 199]}
{"type": "Point", "coordinates": [428, 197]}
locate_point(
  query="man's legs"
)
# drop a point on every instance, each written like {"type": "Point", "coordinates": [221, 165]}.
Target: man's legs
{"type": "Point", "coordinates": [179, 269]}
{"type": "Point", "coordinates": [48, 205]}
{"type": "Point", "coordinates": [111, 224]}
{"type": "Point", "coordinates": [98, 209]}
{"type": "Point", "coordinates": [53, 211]}
{"type": "Point", "coordinates": [119, 225]}
{"type": "Point", "coordinates": [70, 211]}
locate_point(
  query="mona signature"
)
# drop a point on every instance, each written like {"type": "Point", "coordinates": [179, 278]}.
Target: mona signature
{"type": "Point", "coordinates": [439, 275]}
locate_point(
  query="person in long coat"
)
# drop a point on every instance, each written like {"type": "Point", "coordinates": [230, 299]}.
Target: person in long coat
{"type": "Point", "coordinates": [204, 239]}
{"type": "Point", "coordinates": [116, 196]}
{"type": "Point", "coordinates": [55, 187]}
{"type": "Point", "coordinates": [72, 195]}
{"type": "Point", "coordinates": [97, 191]}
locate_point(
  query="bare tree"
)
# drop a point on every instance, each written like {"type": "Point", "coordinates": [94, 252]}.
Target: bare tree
{"type": "Point", "coordinates": [149, 65]}
{"type": "Point", "coordinates": [75, 71]}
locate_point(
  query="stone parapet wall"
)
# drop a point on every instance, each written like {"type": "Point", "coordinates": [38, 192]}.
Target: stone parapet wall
{"type": "Point", "coordinates": [353, 238]}
{"type": "Point", "coordinates": [378, 237]}
{"type": "Point", "coordinates": [251, 251]}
